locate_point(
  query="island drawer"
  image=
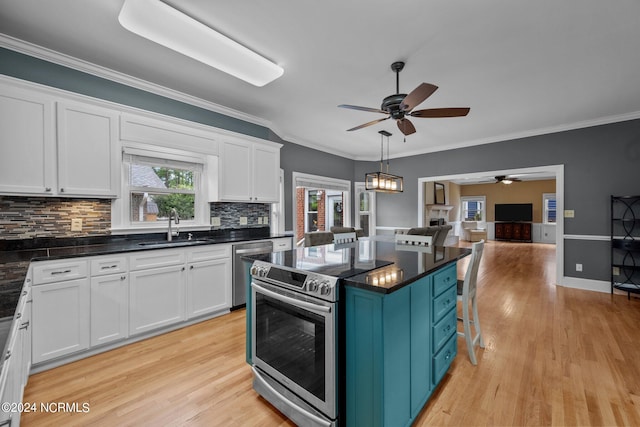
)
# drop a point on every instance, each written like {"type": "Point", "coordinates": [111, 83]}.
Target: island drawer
{"type": "Point", "coordinates": [442, 360]}
{"type": "Point", "coordinates": [444, 329]}
{"type": "Point", "coordinates": [445, 278]}
{"type": "Point", "coordinates": [444, 303]}
{"type": "Point", "coordinates": [58, 271]}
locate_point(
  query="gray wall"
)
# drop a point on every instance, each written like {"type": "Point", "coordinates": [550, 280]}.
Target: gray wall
{"type": "Point", "coordinates": [599, 161]}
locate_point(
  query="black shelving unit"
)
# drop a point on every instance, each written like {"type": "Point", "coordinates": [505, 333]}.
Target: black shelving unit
{"type": "Point", "coordinates": [625, 244]}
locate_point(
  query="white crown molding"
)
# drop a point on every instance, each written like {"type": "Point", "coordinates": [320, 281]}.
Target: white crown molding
{"type": "Point", "coordinates": [518, 135]}
{"type": "Point", "coordinates": [115, 76]}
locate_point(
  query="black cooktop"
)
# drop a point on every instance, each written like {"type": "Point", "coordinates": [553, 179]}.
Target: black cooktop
{"type": "Point", "coordinates": [340, 260]}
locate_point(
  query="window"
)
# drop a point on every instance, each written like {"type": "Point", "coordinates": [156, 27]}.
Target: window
{"type": "Point", "coordinates": [473, 208]}
{"type": "Point", "coordinates": [312, 199]}
{"type": "Point", "coordinates": [156, 180]}
{"type": "Point", "coordinates": [549, 204]}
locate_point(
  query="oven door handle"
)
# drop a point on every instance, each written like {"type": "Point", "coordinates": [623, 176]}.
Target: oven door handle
{"type": "Point", "coordinates": [319, 309]}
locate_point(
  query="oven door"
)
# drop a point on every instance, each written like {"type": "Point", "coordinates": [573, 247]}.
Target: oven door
{"type": "Point", "coordinates": [294, 341]}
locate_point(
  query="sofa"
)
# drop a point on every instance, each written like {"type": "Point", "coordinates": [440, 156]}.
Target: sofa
{"type": "Point", "coordinates": [438, 232]}
{"type": "Point", "coordinates": [471, 232]}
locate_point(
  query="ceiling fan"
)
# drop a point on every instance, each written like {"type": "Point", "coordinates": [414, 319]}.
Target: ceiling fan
{"type": "Point", "coordinates": [506, 179]}
{"type": "Point", "coordinates": [399, 105]}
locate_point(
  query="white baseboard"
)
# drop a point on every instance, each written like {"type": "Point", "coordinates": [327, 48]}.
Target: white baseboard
{"type": "Point", "coordinates": [585, 284]}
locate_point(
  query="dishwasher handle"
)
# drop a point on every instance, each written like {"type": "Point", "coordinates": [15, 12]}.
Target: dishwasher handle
{"type": "Point", "coordinates": [266, 249]}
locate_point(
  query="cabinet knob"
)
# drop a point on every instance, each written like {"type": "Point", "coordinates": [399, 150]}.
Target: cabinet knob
{"type": "Point", "coordinates": [191, 268]}
{"type": "Point", "coordinates": [123, 277]}
{"type": "Point", "coordinates": [62, 190]}
{"type": "Point", "coordinates": [48, 189]}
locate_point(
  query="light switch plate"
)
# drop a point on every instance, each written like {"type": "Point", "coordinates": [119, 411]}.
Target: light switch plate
{"type": "Point", "coordinates": [215, 221]}
{"type": "Point", "coordinates": [570, 213]}
{"type": "Point", "coordinates": [259, 220]}
{"type": "Point", "coordinates": [76, 224]}
{"type": "Point", "coordinates": [266, 220]}
{"type": "Point", "coordinates": [243, 220]}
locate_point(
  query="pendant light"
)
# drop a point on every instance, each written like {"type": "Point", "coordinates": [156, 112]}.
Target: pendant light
{"type": "Point", "coordinates": [383, 181]}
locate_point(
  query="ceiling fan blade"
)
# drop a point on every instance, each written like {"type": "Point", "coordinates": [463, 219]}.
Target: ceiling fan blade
{"type": "Point", "coordinates": [355, 107]}
{"type": "Point", "coordinates": [440, 112]}
{"type": "Point", "coordinates": [368, 124]}
{"type": "Point", "coordinates": [417, 95]}
{"type": "Point", "coordinates": [406, 127]}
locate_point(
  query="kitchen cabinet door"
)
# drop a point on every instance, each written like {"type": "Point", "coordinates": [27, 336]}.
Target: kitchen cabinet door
{"type": "Point", "coordinates": [27, 151]}
{"type": "Point", "coordinates": [208, 287]}
{"type": "Point", "coordinates": [156, 298]}
{"type": "Point", "coordinates": [236, 174]}
{"type": "Point", "coordinates": [266, 174]}
{"type": "Point", "coordinates": [87, 150]}
{"type": "Point", "coordinates": [109, 308]}
{"type": "Point", "coordinates": [61, 319]}
{"type": "Point", "coordinates": [249, 172]}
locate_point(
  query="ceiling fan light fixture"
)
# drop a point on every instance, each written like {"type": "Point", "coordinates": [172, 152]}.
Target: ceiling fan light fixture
{"type": "Point", "coordinates": [383, 182]}
{"type": "Point", "coordinates": [506, 181]}
{"type": "Point", "coordinates": [162, 24]}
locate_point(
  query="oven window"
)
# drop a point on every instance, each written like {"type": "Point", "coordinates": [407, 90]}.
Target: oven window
{"type": "Point", "coordinates": [292, 341]}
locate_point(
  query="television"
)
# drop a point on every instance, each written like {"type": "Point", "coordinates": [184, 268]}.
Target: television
{"type": "Point", "coordinates": [514, 212]}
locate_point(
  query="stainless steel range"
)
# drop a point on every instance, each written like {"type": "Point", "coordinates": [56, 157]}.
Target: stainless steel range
{"type": "Point", "coordinates": [295, 317]}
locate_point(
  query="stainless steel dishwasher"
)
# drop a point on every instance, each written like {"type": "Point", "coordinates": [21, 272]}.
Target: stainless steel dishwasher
{"type": "Point", "coordinates": [241, 269]}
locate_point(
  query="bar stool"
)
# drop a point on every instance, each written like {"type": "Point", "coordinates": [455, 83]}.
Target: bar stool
{"type": "Point", "coordinates": [468, 296]}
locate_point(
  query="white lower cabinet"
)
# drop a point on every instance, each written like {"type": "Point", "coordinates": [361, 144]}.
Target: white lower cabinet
{"type": "Point", "coordinates": [208, 287]}
{"type": "Point", "coordinates": [156, 298]}
{"type": "Point", "coordinates": [60, 319]}
{"type": "Point", "coordinates": [109, 308]}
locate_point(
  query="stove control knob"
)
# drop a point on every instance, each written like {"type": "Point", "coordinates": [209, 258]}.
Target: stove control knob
{"type": "Point", "coordinates": [325, 289]}
{"type": "Point", "coordinates": [312, 285]}
{"type": "Point", "coordinates": [254, 270]}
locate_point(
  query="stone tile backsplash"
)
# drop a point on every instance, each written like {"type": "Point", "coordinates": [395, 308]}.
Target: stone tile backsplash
{"type": "Point", "coordinates": [30, 217]}
{"type": "Point", "coordinates": [230, 214]}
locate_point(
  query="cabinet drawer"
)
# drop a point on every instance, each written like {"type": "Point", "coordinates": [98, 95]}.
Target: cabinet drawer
{"type": "Point", "coordinates": [443, 279]}
{"type": "Point", "coordinates": [443, 329]}
{"type": "Point", "coordinates": [108, 265]}
{"type": "Point", "coordinates": [208, 252]}
{"type": "Point", "coordinates": [58, 271]}
{"type": "Point", "coordinates": [442, 360]}
{"type": "Point", "coordinates": [444, 303]}
{"type": "Point", "coordinates": [281, 244]}
{"type": "Point", "coordinates": [154, 259]}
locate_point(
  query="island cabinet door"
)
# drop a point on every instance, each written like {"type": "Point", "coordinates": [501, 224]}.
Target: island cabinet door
{"type": "Point", "coordinates": [421, 331]}
{"type": "Point", "coordinates": [378, 369]}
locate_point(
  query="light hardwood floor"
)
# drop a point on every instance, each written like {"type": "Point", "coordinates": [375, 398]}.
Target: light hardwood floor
{"type": "Point", "coordinates": [553, 356]}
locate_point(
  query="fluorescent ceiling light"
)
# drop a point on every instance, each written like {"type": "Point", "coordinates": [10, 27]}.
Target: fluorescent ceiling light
{"type": "Point", "coordinates": [162, 24]}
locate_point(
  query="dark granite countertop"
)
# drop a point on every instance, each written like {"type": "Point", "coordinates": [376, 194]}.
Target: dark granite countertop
{"type": "Point", "coordinates": [410, 263]}
{"type": "Point", "coordinates": [15, 255]}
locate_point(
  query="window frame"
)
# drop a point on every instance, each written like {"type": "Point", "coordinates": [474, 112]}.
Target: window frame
{"type": "Point", "coordinates": [481, 199]}
{"type": "Point", "coordinates": [545, 210]}
{"type": "Point", "coordinates": [200, 165]}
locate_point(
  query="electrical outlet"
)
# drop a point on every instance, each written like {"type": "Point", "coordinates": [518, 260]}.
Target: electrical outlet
{"type": "Point", "coordinates": [616, 271]}
{"type": "Point", "coordinates": [569, 213]}
{"type": "Point", "coordinates": [259, 220]}
{"type": "Point", "coordinates": [266, 220]}
{"type": "Point", "coordinates": [578, 267]}
{"type": "Point", "coordinates": [243, 220]}
{"type": "Point", "coordinates": [76, 224]}
{"type": "Point", "coordinates": [215, 221]}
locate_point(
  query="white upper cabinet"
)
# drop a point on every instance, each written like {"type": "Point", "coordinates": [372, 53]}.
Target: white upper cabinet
{"type": "Point", "coordinates": [249, 172]}
{"type": "Point", "coordinates": [27, 142]}
{"type": "Point", "coordinates": [73, 156]}
{"type": "Point", "coordinates": [87, 150]}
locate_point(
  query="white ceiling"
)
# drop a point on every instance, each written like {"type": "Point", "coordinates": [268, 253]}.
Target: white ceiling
{"type": "Point", "coordinates": [524, 68]}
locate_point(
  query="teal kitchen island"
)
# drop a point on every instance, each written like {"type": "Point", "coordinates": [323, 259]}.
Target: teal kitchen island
{"type": "Point", "coordinates": [395, 330]}
{"type": "Point", "coordinates": [399, 334]}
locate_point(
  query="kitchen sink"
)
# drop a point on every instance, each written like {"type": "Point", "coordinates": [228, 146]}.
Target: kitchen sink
{"type": "Point", "coordinates": [173, 242]}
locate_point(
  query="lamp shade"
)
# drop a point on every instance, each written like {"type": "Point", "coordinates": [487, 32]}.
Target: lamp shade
{"type": "Point", "coordinates": [383, 182]}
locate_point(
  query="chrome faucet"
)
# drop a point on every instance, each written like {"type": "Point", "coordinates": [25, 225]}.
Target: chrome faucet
{"type": "Point", "coordinates": [173, 214]}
